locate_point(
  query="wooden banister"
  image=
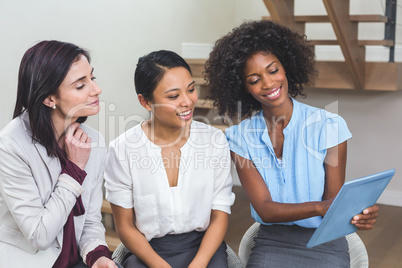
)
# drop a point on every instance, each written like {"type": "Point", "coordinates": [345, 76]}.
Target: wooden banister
{"type": "Point", "coordinates": [346, 32]}
{"type": "Point", "coordinates": [283, 11]}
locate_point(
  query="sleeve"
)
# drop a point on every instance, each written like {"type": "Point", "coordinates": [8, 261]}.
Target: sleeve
{"type": "Point", "coordinates": [236, 141]}
{"type": "Point", "coordinates": [334, 132]}
{"type": "Point", "coordinates": [39, 222]}
{"type": "Point", "coordinates": [79, 175]}
{"type": "Point", "coordinates": [118, 182]}
{"type": "Point", "coordinates": [93, 233]}
{"type": "Point", "coordinates": [94, 255]}
{"type": "Point", "coordinates": [223, 197]}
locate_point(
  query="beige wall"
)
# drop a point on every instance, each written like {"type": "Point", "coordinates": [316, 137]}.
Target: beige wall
{"type": "Point", "coordinates": [118, 32]}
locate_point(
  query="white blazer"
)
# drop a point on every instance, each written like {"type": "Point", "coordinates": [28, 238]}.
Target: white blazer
{"type": "Point", "coordinates": [35, 200]}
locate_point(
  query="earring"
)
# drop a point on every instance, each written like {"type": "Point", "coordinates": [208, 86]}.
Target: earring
{"type": "Point", "coordinates": [54, 107]}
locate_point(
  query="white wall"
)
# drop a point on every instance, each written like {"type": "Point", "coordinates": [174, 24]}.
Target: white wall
{"type": "Point", "coordinates": [116, 33]}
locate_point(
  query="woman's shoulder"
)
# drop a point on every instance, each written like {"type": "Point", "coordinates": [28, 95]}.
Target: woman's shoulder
{"type": "Point", "coordinates": [311, 114]}
{"type": "Point", "coordinates": [134, 134]}
{"type": "Point", "coordinates": [204, 134]}
{"type": "Point", "coordinates": [247, 126]}
{"type": "Point", "coordinates": [16, 131]}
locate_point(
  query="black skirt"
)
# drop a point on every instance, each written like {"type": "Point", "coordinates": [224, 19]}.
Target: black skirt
{"type": "Point", "coordinates": [283, 246]}
{"type": "Point", "coordinates": [178, 250]}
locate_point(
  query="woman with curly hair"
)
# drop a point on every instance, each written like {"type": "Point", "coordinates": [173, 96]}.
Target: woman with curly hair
{"type": "Point", "coordinates": [290, 157]}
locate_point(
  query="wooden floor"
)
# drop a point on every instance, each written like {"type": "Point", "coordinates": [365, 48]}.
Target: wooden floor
{"type": "Point", "coordinates": [383, 243]}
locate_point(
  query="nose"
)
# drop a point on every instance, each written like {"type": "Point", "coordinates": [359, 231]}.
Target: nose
{"type": "Point", "coordinates": [186, 101]}
{"type": "Point", "coordinates": [267, 82]}
{"type": "Point", "coordinates": [96, 90]}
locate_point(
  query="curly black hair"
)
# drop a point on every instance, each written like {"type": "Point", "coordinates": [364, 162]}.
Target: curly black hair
{"type": "Point", "coordinates": [226, 62]}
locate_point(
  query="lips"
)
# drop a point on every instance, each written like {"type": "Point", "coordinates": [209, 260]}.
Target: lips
{"type": "Point", "coordinates": [94, 103]}
{"type": "Point", "coordinates": [185, 115]}
{"type": "Point", "coordinates": [274, 94]}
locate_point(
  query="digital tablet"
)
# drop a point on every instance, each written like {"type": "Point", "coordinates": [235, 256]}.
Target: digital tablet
{"type": "Point", "coordinates": [352, 199]}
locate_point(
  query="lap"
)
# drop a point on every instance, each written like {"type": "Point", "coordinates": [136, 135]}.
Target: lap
{"type": "Point", "coordinates": [285, 246]}
{"type": "Point", "coordinates": [178, 251]}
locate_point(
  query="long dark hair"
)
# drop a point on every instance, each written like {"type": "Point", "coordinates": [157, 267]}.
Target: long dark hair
{"type": "Point", "coordinates": [42, 70]}
{"type": "Point", "coordinates": [152, 67]}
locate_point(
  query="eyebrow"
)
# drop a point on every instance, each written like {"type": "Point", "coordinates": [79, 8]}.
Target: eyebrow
{"type": "Point", "coordinates": [269, 65]}
{"type": "Point", "coordinates": [174, 89]}
{"type": "Point", "coordinates": [79, 79]}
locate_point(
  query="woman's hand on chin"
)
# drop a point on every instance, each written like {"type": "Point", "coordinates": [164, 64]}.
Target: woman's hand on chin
{"type": "Point", "coordinates": [77, 145]}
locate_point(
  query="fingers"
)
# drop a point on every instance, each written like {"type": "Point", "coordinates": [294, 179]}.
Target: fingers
{"type": "Point", "coordinates": [372, 209]}
{"type": "Point", "coordinates": [367, 219]}
{"type": "Point", "coordinates": [71, 130]}
{"type": "Point", "coordinates": [364, 224]}
{"type": "Point", "coordinates": [76, 136]}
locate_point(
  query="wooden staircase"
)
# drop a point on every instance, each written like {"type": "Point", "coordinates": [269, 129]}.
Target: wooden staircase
{"type": "Point", "coordinates": [355, 72]}
{"type": "Point", "coordinates": [205, 110]}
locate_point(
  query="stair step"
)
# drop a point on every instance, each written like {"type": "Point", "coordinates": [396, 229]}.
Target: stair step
{"type": "Point", "coordinates": [385, 42]}
{"type": "Point", "coordinates": [199, 80]}
{"type": "Point", "coordinates": [106, 208]}
{"type": "Point", "coordinates": [197, 66]}
{"type": "Point", "coordinates": [368, 18]}
{"type": "Point", "coordinates": [324, 18]}
{"type": "Point", "coordinates": [112, 239]}
{"type": "Point", "coordinates": [220, 126]}
{"type": "Point", "coordinates": [323, 42]}
{"type": "Point", "coordinates": [205, 104]}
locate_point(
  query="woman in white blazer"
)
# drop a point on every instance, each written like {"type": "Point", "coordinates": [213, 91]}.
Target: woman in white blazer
{"type": "Point", "coordinates": [51, 165]}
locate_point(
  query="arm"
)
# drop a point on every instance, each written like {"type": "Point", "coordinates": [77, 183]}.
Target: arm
{"type": "Point", "coordinates": [335, 169]}
{"type": "Point", "coordinates": [24, 178]}
{"type": "Point", "coordinates": [93, 233]}
{"type": "Point", "coordinates": [133, 239]}
{"type": "Point", "coordinates": [223, 198]}
{"type": "Point", "coordinates": [212, 239]}
{"type": "Point", "coordinates": [260, 197]}
{"type": "Point", "coordinates": [119, 192]}
{"type": "Point", "coordinates": [335, 166]}
{"type": "Point", "coordinates": [92, 245]}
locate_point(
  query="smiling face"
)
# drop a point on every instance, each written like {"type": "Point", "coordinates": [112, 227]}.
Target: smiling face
{"type": "Point", "coordinates": [174, 99]}
{"type": "Point", "coordinates": [265, 79]}
{"type": "Point", "coordinates": [78, 94]}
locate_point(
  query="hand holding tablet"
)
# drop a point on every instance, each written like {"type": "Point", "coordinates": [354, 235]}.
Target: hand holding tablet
{"type": "Point", "coordinates": [352, 199]}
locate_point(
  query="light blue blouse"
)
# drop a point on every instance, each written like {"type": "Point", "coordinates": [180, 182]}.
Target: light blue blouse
{"type": "Point", "coordinates": [299, 176]}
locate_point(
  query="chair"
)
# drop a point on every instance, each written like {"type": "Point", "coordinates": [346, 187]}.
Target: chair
{"type": "Point", "coordinates": [233, 260]}
{"type": "Point", "coordinates": [357, 250]}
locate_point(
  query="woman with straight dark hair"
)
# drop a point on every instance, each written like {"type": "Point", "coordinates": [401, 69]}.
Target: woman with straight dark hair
{"type": "Point", "coordinates": [51, 167]}
{"type": "Point", "coordinates": [168, 178]}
